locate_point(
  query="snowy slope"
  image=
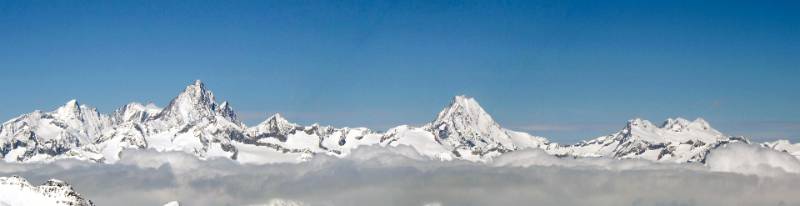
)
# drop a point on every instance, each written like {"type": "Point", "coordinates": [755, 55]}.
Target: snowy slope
{"type": "Point", "coordinates": [17, 191]}
{"type": "Point", "coordinates": [676, 140]}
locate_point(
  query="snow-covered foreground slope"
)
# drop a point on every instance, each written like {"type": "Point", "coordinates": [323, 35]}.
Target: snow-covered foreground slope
{"type": "Point", "coordinates": [193, 122]}
{"type": "Point", "coordinates": [16, 191]}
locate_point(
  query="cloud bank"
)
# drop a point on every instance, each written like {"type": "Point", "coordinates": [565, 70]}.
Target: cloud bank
{"type": "Point", "coordinates": [400, 176]}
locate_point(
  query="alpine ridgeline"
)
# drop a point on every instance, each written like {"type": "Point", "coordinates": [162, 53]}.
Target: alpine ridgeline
{"type": "Point", "coordinates": [193, 122]}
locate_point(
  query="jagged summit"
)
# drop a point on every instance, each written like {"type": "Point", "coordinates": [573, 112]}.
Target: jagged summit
{"type": "Point", "coordinates": [196, 103]}
{"type": "Point", "coordinates": [276, 123]}
{"type": "Point", "coordinates": [194, 123]}
{"type": "Point", "coordinates": [275, 127]}
{"type": "Point", "coordinates": [71, 109]}
{"type": "Point", "coordinates": [225, 110]}
{"type": "Point", "coordinates": [465, 125]}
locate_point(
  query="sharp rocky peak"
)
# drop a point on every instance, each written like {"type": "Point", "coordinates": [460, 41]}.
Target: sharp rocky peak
{"type": "Point", "coordinates": [277, 122]}
{"type": "Point", "coordinates": [70, 109]}
{"type": "Point", "coordinates": [226, 111]}
{"type": "Point", "coordinates": [465, 109]}
{"type": "Point", "coordinates": [195, 103]}
{"type": "Point", "coordinates": [465, 123]}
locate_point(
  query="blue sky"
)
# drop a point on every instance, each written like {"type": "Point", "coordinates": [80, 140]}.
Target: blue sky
{"type": "Point", "coordinates": [567, 70]}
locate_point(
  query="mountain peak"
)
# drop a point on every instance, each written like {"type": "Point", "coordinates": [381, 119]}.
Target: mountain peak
{"type": "Point", "coordinates": [194, 103]}
{"type": "Point", "coordinates": [464, 100]}
{"type": "Point", "coordinates": [702, 123]}
{"type": "Point", "coordinates": [275, 125]}
{"type": "Point", "coordinates": [681, 124]}
{"type": "Point", "coordinates": [676, 124]}
{"type": "Point", "coordinates": [277, 120]}
{"type": "Point", "coordinates": [465, 123]}
{"type": "Point", "coordinates": [71, 109]}
{"type": "Point", "coordinates": [72, 102]}
{"type": "Point", "coordinates": [672, 130]}
{"type": "Point", "coordinates": [276, 116]}
{"type": "Point", "coordinates": [225, 110]}
{"type": "Point", "coordinates": [197, 88]}
{"type": "Point", "coordinates": [640, 123]}
{"type": "Point", "coordinates": [464, 107]}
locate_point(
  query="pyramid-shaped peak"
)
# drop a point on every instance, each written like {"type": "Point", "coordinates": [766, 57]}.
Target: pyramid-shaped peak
{"type": "Point", "coordinates": [197, 93]}
{"type": "Point", "coordinates": [465, 101]}
{"type": "Point", "coordinates": [72, 103]}
{"type": "Point", "coordinates": [194, 103]}
{"type": "Point", "coordinates": [197, 88]}
{"type": "Point", "coordinates": [464, 107]}
{"type": "Point", "coordinates": [275, 123]}
{"type": "Point", "coordinates": [226, 111]}
{"type": "Point", "coordinates": [277, 120]}
{"type": "Point", "coordinates": [70, 109]}
{"type": "Point", "coordinates": [464, 120]}
{"type": "Point", "coordinates": [277, 116]}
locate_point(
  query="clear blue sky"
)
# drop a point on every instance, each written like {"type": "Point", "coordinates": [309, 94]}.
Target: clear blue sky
{"type": "Point", "coordinates": [567, 70]}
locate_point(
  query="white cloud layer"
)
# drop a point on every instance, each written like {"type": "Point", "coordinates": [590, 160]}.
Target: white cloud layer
{"type": "Point", "coordinates": [400, 176]}
{"type": "Point", "coordinates": [748, 159]}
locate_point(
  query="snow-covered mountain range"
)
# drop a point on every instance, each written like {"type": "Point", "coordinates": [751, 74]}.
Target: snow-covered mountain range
{"type": "Point", "coordinates": [195, 123]}
{"type": "Point", "coordinates": [18, 191]}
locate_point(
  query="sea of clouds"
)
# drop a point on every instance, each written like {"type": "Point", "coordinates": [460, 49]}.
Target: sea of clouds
{"type": "Point", "coordinates": [735, 175]}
